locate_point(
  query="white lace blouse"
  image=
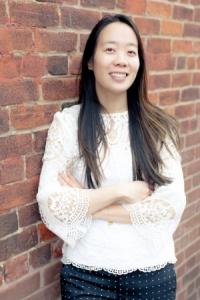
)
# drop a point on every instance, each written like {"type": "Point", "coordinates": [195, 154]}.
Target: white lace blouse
{"type": "Point", "coordinates": [146, 244]}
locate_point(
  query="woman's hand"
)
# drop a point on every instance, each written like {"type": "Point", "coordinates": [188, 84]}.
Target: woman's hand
{"type": "Point", "coordinates": [69, 180]}
{"type": "Point", "coordinates": [134, 191]}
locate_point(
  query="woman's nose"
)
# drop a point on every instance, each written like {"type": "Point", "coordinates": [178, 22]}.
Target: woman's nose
{"type": "Point", "coordinates": [121, 59]}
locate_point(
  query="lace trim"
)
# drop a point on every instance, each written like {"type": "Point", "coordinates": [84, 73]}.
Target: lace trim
{"type": "Point", "coordinates": [150, 211]}
{"type": "Point", "coordinates": [116, 126]}
{"type": "Point", "coordinates": [71, 215]}
{"type": "Point", "coordinates": [116, 271]}
{"type": "Point", "coordinates": [69, 206]}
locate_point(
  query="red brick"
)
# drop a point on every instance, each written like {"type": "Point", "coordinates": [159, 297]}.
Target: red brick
{"type": "Point", "coordinates": [198, 108]}
{"type": "Point", "coordinates": [57, 248]}
{"type": "Point", "coordinates": [40, 140]}
{"type": "Point", "coordinates": [159, 9]}
{"type": "Point", "coordinates": [196, 79]}
{"type": "Point", "coordinates": [17, 91]}
{"type": "Point", "coordinates": [191, 30]}
{"type": "Point", "coordinates": [134, 7]}
{"type": "Point", "coordinates": [68, 2]}
{"type": "Point", "coordinates": [191, 62]}
{"type": "Point", "coordinates": [196, 46]}
{"type": "Point", "coordinates": [196, 180]}
{"type": "Point", "coordinates": [189, 276]}
{"type": "Point", "coordinates": [47, 41]}
{"type": "Point", "coordinates": [5, 41]}
{"type": "Point", "coordinates": [188, 125]}
{"type": "Point", "coordinates": [192, 169]}
{"type": "Point", "coordinates": [16, 268]}
{"type": "Point", "coordinates": [160, 62]}
{"type": "Point", "coordinates": [159, 81]}
{"type": "Point", "coordinates": [10, 66]}
{"type": "Point", "coordinates": [13, 145]}
{"type": "Point", "coordinates": [83, 40]}
{"type": "Point", "coordinates": [169, 97]}
{"type": "Point", "coordinates": [44, 233]}
{"type": "Point", "coordinates": [40, 256]}
{"type": "Point", "coordinates": [153, 97]}
{"type": "Point", "coordinates": [28, 215]}
{"type": "Point", "coordinates": [183, 13]}
{"type": "Point", "coordinates": [21, 39]}
{"type": "Point", "coordinates": [8, 224]}
{"type": "Point", "coordinates": [188, 155]}
{"type": "Point", "coordinates": [11, 170]}
{"type": "Point", "coordinates": [23, 117]}
{"type": "Point", "coordinates": [181, 79]}
{"type": "Point", "coordinates": [22, 288]}
{"type": "Point", "coordinates": [192, 139]}
{"type": "Point", "coordinates": [189, 94]}
{"type": "Point", "coordinates": [79, 19]}
{"type": "Point", "coordinates": [32, 14]}
{"type": "Point", "coordinates": [181, 62]}
{"type": "Point", "coordinates": [172, 28]}
{"type": "Point", "coordinates": [98, 3]}
{"type": "Point", "coordinates": [74, 64]}
{"type": "Point", "coordinates": [194, 2]}
{"type": "Point", "coordinates": [18, 193]}
{"type": "Point", "coordinates": [158, 45]}
{"type": "Point", "coordinates": [59, 89]}
{"type": "Point", "coordinates": [57, 65]}
{"type": "Point", "coordinates": [3, 14]}
{"type": "Point", "coordinates": [33, 165]}
{"type": "Point", "coordinates": [52, 273]}
{"type": "Point", "coordinates": [4, 121]}
{"type": "Point", "coordinates": [1, 275]}
{"type": "Point", "coordinates": [184, 111]}
{"type": "Point", "coordinates": [147, 26]}
{"type": "Point", "coordinates": [197, 14]}
{"type": "Point", "coordinates": [18, 243]}
{"type": "Point", "coordinates": [181, 46]}
{"type": "Point", "coordinates": [33, 66]}
{"type": "Point", "coordinates": [51, 292]}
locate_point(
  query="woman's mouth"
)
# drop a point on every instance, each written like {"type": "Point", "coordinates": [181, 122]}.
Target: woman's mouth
{"type": "Point", "coordinates": [119, 76]}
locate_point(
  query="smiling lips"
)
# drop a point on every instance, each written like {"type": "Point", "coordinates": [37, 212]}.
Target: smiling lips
{"type": "Point", "coordinates": [119, 76]}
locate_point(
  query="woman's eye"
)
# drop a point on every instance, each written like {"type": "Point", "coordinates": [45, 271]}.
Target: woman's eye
{"type": "Point", "coordinates": [132, 52]}
{"type": "Point", "coordinates": [110, 50]}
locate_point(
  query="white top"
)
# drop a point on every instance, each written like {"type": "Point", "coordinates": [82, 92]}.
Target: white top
{"type": "Point", "coordinates": [146, 244]}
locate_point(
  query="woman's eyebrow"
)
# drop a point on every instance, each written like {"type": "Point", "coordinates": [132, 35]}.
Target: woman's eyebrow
{"type": "Point", "coordinates": [114, 42]}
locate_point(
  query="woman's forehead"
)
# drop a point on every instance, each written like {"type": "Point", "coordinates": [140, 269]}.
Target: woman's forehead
{"type": "Point", "coordinates": [118, 33]}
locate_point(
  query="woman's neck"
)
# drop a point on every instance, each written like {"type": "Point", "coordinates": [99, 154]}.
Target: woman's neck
{"type": "Point", "coordinates": [113, 103]}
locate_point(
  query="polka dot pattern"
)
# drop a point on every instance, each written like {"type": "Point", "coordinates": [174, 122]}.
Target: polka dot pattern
{"type": "Point", "coordinates": [81, 284]}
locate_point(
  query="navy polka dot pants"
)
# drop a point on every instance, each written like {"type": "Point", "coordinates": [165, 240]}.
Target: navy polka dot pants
{"type": "Point", "coordinates": [80, 284]}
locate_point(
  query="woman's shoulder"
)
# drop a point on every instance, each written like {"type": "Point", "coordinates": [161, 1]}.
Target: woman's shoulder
{"type": "Point", "coordinates": [68, 115]}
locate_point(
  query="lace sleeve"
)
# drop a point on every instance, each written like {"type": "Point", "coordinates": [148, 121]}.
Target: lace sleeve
{"type": "Point", "coordinates": [167, 202]}
{"type": "Point", "coordinates": [63, 209]}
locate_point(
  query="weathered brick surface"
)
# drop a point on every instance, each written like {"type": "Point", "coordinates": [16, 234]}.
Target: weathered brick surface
{"type": "Point", "coordinates": [41, 43]}
{"type": "Point", "coordinates": [32, 14]}
{"type": "Point", "coordinates": [41, 256]}
{"type": "Point", "coordinates": [8, 224]}
{"type": "Point", "coordinates": [28, 215]}
{"type": "Point", "coordinates": [11, 170]}
{"type": "Point", "coordinates": [18, 91]}
{"type": "Point", "coordinates": [57, 65]}
{"type": "Point", "coordinates": [18, 243]}
{"type": "Point", "coordinates": [16, 268]}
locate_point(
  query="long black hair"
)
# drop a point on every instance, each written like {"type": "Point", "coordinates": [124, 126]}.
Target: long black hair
{"type": "Point", "coordinates": [148, 124]}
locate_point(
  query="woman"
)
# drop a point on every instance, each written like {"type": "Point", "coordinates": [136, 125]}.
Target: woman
{"type": "Point", "coordinates": [111, 185]}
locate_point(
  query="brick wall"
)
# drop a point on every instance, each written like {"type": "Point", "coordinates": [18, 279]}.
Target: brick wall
{"type": "Point", "coordinates": [40, 48]}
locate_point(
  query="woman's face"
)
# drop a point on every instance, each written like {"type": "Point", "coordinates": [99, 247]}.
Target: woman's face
{"type": "Point", "coordinates": [115, 63]}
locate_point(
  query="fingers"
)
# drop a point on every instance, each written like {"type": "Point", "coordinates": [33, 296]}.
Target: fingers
{"type": "Point", "coordinates": [69, 180]}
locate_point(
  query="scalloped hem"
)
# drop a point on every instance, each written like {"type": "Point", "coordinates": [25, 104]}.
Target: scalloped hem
{"type": "Point", "coordinates": [67, 261]}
